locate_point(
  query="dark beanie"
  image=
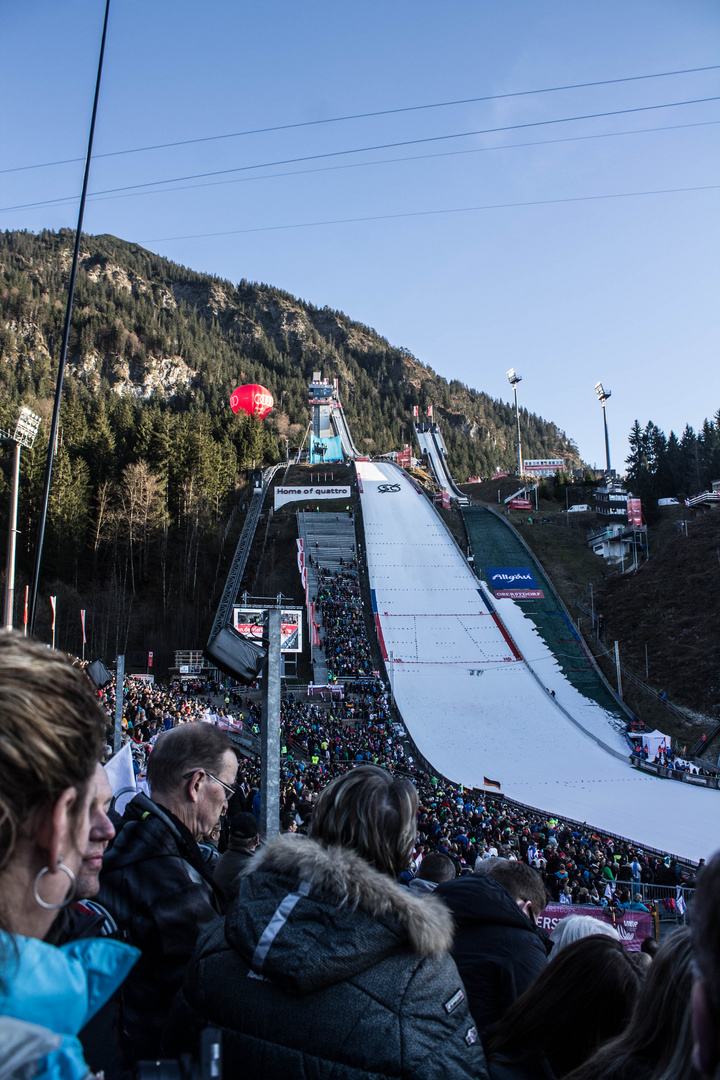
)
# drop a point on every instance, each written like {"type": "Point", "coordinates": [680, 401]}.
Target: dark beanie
{"type": "Point", "coordinates": [244, 826]}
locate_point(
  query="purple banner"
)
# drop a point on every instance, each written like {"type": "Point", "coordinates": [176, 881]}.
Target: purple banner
{"type": "Point", "coordinates": [632, 926]}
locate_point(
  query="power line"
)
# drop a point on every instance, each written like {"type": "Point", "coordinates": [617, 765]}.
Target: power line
{"type": "Point", "coordinates": [433, 213]}
{"type": "Point", "coordinates": [364, 116]}
{"type": "Point", "coordinates": [368, 149]}
{"type": "Point", "coordinates": [379, 161]}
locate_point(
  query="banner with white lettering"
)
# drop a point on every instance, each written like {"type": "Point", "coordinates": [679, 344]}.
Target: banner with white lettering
{"type": "Point", "coordinates": [632, 926]}
{"type": "Point", "coordinates": [284, 495]}
{"type": "Point", "coordinates": [515, 582]}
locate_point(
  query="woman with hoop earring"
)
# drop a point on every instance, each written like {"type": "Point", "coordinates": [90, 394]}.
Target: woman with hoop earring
{"type": "Point", "coordinates": [51, 735]}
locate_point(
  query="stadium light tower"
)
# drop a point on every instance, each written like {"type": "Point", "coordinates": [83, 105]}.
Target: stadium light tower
{"type": "Point", "coordinates": [514, 379]}
{"type": "Point", "coordinates": [24, 435]}
{"type": "Point", "coordinates": [602, 396]}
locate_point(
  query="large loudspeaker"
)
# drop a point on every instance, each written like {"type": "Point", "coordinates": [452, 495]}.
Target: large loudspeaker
{"type": "Point", "coordinates": [236, 655]}
{"type": "Point", "coordinates": [99, 674]}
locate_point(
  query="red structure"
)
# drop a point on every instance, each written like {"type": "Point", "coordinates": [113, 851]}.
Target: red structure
{"type": "Point", "coordinates": [252, 399]}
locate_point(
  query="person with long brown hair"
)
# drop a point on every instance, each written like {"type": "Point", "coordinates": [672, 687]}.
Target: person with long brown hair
{"type": "Point", "coordinates": [657, 1042]}
{"type": "Point", "coordinates": [51, 734]}
{"type": "Point", "coordinates": [583, 997]}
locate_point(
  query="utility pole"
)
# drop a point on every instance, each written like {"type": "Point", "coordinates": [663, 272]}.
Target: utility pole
{"type": "Point", "coordinates": [64, 345]}
{"type": "Point", "coordinates": [24, 435]}
{"type": "Point", "coordinates": [514, 379]}
{"type": "Point", "coordinates": [270, 733]}
{"type": "Point", "coordinates": [602, 396]}
{"type": "Point", "coordinates": [119, 698]}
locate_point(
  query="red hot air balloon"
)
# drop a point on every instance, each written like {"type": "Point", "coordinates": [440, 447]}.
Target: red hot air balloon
{"type": "Point", "coordinates": [252, 399]}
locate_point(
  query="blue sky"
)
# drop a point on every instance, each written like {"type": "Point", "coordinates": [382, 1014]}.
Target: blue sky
{"type": "Point", "coordinates": [622, 289]}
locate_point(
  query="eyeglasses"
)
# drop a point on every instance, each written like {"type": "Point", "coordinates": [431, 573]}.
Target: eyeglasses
{"type": "Point", "coordinates": [230, 790]}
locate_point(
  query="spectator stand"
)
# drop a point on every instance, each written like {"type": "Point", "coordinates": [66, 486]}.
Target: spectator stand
{"type": "Point", "coordinates": [329, 545]}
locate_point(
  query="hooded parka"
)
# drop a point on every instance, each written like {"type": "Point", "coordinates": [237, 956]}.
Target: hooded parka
{"type": "Point", "coordinates": [326, 967]}
{"type": "Point", "coordinates": [498, 950]}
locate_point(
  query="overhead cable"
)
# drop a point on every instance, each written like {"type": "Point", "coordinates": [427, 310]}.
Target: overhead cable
{"type": "Point", "coordinates": [433, 213]}
{"type": "Point", "coordinates": [364, 116]}
{"type": "Point", "coordinates": [368, 149]}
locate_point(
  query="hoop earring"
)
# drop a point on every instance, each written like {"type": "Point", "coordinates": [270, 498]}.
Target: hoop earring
{"type": "Point", "coordinates": [71, 891]}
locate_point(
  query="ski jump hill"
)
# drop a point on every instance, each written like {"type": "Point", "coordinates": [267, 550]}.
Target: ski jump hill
{"type": "Point", "coordinates": [498, 690]}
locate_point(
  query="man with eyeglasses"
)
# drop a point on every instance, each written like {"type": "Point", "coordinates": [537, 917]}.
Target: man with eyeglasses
{"type": "Point", "coordinates": [155, 882]}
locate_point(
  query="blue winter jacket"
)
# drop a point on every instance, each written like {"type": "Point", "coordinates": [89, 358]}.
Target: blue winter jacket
{"type": "Point", "coordinates": [48, 994]}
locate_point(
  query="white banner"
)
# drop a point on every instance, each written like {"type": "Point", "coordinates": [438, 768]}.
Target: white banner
{"type": "Point", "coordinates": [297, 494]}
{"type": "Point", "coordinates": [121, 777]}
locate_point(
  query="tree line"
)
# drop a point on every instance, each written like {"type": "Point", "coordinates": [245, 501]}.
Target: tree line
{"type": "Point", "coordinates": [660, 467]}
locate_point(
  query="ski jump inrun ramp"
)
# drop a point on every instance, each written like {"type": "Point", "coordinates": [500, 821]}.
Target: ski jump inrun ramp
{"type": "Point", "coordinates": [473, 680]}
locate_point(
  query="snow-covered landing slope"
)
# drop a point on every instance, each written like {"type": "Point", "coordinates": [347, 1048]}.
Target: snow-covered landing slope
{"type": "Point", "coordinates": [474, 707]}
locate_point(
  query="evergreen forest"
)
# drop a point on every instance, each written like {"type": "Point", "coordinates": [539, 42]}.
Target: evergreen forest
{"type": "Point", "coordinates": [660, 467]}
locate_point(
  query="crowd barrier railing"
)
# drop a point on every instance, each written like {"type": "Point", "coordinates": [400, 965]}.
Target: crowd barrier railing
{"type": "Point", "coordinates": [667, 772]}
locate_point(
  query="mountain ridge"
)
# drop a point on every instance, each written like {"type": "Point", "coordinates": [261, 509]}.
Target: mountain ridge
{"type": "Point", "coordinates": [272, 337]}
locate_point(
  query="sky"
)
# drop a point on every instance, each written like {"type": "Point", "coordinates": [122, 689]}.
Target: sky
{"type": "Point", "coordinates": [493, 229]}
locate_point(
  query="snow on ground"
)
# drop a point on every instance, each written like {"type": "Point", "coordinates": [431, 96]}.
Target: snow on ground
{"type": "Point", "coordinates": [475, 710]}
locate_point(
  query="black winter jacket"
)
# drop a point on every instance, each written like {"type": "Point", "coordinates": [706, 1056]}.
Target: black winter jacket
{"type": "Point", "coordinates": [325, 967]}
{"type": "Point", "coordinates": [231, 864]}
{"type": "Point", "coordinates": [498, 950]}
{"type": "Point", "coordinates": [158, 889]}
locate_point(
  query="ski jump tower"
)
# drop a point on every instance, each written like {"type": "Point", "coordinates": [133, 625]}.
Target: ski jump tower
{"type": "Point", "coordinates": [330, 438]}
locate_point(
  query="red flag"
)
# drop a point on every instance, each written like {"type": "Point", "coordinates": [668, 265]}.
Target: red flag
{"type": "Point", "coordinates": [430, 411]}
{"type": "Point", "coordinates": [415, 411]}
{"type": "Point", "coordinates": [52, 605]}
{"type": "Point", "coordinates": [25, 616]}
{"type": "Point", "coordinates": [82, 620]}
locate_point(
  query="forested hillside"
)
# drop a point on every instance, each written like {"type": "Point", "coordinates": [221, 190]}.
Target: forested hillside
{"type": "Point", "coordinates": [658, 467]}
{"type": "Point", "coordinates": [150, 456]}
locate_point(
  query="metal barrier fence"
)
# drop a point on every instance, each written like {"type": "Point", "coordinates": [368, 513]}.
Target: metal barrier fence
{"type": "Point", "coordinates": [667, 772]}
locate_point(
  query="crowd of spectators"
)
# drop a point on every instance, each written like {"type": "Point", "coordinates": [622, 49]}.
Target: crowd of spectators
{"type": "Point", "coordinates": [343, 635]}
{"type": "Point", "coordinates": [321, 739]}
{"type": "Point", "coordinates": [673, 757]}
{"type": "Point", "coordinates": [389, 928]}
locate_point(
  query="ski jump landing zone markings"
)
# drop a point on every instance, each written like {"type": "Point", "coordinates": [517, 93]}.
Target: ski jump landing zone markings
{"type": "Point", "coordinates": [474, 689]}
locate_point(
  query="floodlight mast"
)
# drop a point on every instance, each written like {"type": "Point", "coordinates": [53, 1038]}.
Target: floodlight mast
{"type": "Point", "coordinates": [514, 379]}
{"type": "Point", "coordinates": [24, 435]}
{"type": "Point", "coordinates": [602, 396]}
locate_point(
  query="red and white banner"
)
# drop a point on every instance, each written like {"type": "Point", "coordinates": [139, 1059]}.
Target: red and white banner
{"type": "Point", "coordinates": [82, 621]}
{"type": "Point", "coordinates": [632, 926]}
{"type": "Point", "coordinates": [248, 621]}
{"type": "Point", "coordinates": [53, 600]}
{"type": "Point", "coordinates": [404, 458]}
{"type": "Point", "coordinates": [150, 660]}
{"type": "Point", "coordinates": [415, 411]}
{"type": "Point", "coordinates": [430, 409]}
{"type": "Point", "coordinates": [520, 504]}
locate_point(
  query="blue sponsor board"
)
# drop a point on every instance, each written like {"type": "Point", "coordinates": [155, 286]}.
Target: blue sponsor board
{"type": "Point", "coordinates": [515, 582]}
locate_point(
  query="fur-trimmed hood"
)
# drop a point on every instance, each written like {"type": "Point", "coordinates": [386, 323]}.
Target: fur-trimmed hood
{"type": "Point", "coordinates": [309, 915]}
